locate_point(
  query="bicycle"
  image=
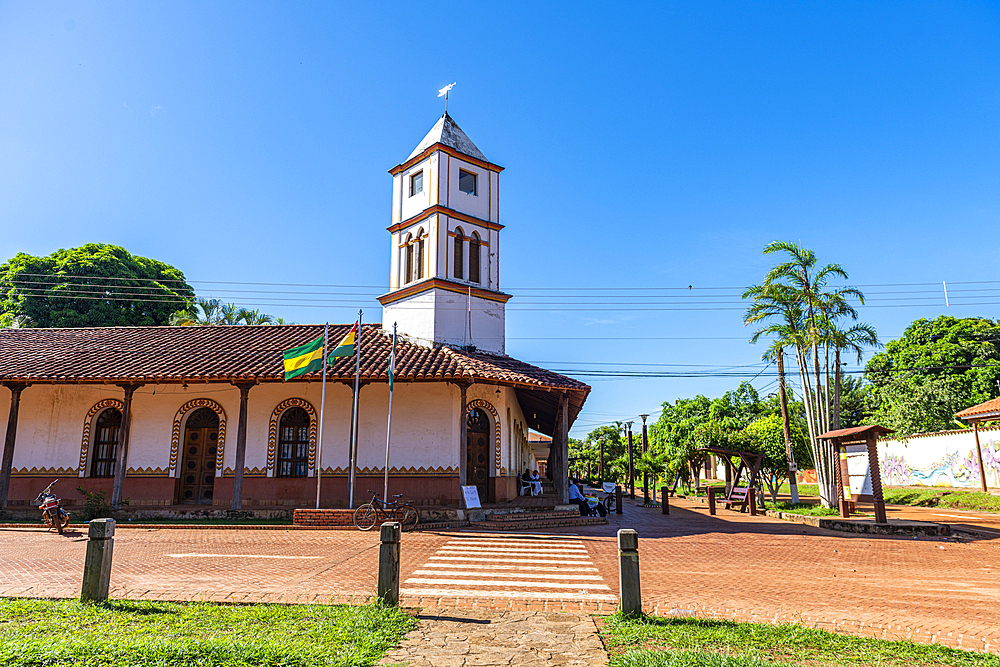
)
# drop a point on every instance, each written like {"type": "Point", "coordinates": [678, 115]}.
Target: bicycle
{"type": "Point", "coordinates": [366, 516]}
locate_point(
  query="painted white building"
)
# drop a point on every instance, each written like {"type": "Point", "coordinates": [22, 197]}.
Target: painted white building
{"type": "Point", "coordinates": [201, 415]}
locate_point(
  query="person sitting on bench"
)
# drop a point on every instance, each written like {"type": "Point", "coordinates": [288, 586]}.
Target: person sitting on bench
{"type": "Point", "coordinates": [576, 497]}
{"type": "Point", "coordinates": [536, 483]}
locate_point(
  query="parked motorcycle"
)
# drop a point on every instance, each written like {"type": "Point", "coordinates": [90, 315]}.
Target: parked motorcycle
{"type": "Point", "coordinates": [53, 515]}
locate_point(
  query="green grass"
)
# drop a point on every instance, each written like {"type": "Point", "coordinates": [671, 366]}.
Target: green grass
{"type": "Point", "coordinates": [64, 633]}
{"type": "Point", "coordinates": [804, 489]}
{"type": "Point", "coordinates": [687, 642]}
{"type": "Point", "coordinates": [953, 498]}
{"type": "Point", "coordinates": [808, 509]}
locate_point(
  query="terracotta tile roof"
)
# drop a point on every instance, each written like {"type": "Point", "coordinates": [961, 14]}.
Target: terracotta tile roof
{"type": "Point", "coordinates": [855, 430]}
{"type": "Point", "coordinates": [225, 353]}
{"type": "Point", "coordinates": [988, 410]}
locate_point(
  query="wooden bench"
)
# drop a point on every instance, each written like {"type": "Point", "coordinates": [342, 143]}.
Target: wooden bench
{"type": "Point", "coordinates": [743, 496]}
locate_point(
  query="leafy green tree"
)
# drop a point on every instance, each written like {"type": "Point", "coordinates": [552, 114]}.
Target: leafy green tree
{"type": "Point", "coordinates": [615, 446]}
{"type": "Point", "coordinates": [766, 436]}
{"type": "Point", "coordinates": [95, 285]}
{"type": "Point", "coordinates": [853, 400]}
{"type": "Point", "coordinates": [937, 368]}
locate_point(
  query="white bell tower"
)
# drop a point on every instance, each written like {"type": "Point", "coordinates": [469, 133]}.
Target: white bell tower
{"type": "Point", "coordinates": [444, 285]}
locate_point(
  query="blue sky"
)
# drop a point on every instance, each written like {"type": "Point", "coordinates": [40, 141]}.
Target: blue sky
{"type": "Point", "coordinates": [647, 145]}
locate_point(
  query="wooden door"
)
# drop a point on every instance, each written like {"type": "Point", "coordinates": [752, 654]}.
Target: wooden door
{"type": "Point", "coordinates": [201, 440]}
{"type": "Point", "coordinates": [477, 458]}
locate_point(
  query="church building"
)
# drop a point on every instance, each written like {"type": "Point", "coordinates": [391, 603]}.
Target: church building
{"type": "Point", "coordinates": [201, 415]}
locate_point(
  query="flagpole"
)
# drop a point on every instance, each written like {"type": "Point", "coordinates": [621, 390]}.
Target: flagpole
{"type": "Point", "coordinates": [322, 410]}
{"type": "Point", "coordinates": [352, 474]}
{"type": "Point", "coordinates": [388, 427]}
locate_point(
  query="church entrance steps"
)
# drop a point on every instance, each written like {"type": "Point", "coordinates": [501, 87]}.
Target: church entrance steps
{"type": "Point", "coordinates": [555, 517]}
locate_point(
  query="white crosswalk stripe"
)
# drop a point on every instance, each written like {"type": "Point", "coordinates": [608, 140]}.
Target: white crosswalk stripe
{"type": "Point", "coordinates": [510, 566]}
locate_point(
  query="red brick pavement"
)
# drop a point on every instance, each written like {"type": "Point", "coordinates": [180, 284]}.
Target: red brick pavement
{"type": "Point", "coordinates": [730, 566]}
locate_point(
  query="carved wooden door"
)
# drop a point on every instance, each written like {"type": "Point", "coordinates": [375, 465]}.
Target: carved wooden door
{"type": "Point", "coordinates": [201, 440]}
{"type": "Point", "coordinates": [477, 458]}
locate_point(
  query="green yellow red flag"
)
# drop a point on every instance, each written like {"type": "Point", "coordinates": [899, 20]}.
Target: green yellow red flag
{"type": "Point", "coordinates": [346, 347]}
{"type": "Point", "coordinates": [303, 359]}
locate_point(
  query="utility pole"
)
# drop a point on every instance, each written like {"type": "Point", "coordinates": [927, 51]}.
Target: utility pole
{"type": "Point", "coordinates": [645, 476]}
{"type": "Point", "coordinates": [631, 462]}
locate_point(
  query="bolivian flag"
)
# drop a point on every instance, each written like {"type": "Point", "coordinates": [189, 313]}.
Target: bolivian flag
{"type": "Point", "coordinates": [304, 359]}
{"type": "Point", "coordinates": [346, 347]}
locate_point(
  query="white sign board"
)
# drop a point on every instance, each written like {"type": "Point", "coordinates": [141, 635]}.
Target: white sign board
{"type": "Point", "coordinates": [860, 473]}
{"type": "Point", "coordinates": [470, 494]}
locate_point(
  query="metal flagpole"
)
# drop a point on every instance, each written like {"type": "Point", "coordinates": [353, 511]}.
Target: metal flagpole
{"type": "Point", "coordinates": [322, 409]}
{"type": "Point", "coordinates": [352, 475]}
{"type": "Point", "coordinates": [388, 428]}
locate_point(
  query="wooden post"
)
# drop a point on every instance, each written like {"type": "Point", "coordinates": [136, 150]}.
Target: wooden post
{"type": "Point", "coordinates": [645, 476]}
{"type": "Point", "coordinates": [628, 572]}
{"type": "Point", "coordinates": [840, 460]}
{"type": "Point", "coordinates": [711, 500]}
{"type": "Point", "coordinates": [121, 458]}
{"type": "Point", "coordinates": [463, 442]}
{"type": "Point", "coordinates": [241, 445]}
{"type": "Point", "coordinates": [979, 455]}
{"type": "Point", "coordinates": [873, 467]}
{"type": "Point", "coordinates": [97, 564]}
{"type": "Point", "coordinates": [752, 501]}
{"type": "Point", "coordinates": [388, 563]}
{"type": "Point", "coordinates": [618, 499]}
{"type": "Point", "coordinates": [664, 502]}
{"type": "Point", "coordinates": [8, 444]}
{"type": "Point", "coordinates": [562, 486]}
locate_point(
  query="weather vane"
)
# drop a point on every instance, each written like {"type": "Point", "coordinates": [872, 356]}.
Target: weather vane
{"type": "Point", "coordinates": [444, 93]}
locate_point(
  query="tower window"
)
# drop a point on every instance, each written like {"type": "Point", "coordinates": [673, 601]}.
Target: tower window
{"type": "Point", "coordinates": [459, 254]}
{"type": "Point", "coordinates": [417, 183]}
{"type": "Point", "coordinates": [467, 182]}
{"type": "Point", "coordinates": [474, 258]}
{"type": "Point", "coordinates": [418, 255]}
{"type": "Point", "coordinates": [408, 266]}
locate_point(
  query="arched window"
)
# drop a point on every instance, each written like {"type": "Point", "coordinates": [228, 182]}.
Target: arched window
{"type": "Point", "coordinates": [459, 253]}
{"type": "Point", "coordinates": [474, 258]}
{"type": "Point", "coordinates": [419, 255]}
{"type": "Point", "coordinates": [106, 443]}
{"type": "Point", "coordinates": [408, 266]}
{"type": "Point", "coordinates": [293, 443]}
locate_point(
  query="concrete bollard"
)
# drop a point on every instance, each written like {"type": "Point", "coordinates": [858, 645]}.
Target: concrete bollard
{"type": "Point", "coordinates": [618, 499]}
{"type": "Point", "coordinates": [628, 572]}
{"type": "Point", "coordinates": [665, 500]}
{"type": "Point", "coordinates": [97, 565]}
{"type": "Point", "coordinates": [388, 563]}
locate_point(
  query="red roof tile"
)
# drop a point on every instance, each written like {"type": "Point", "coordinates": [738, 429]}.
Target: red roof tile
{"type": "Point", "coordinates": [225, 353]}
{"type": "Point", "coordinates": [988, 410]}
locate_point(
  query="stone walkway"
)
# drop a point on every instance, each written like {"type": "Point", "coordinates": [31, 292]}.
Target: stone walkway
{"type": "Point", "coordinates": [484, 638]}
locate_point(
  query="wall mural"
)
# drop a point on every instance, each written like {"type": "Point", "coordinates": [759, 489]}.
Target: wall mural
{"type": "Point", "coordinates": [946, 459]}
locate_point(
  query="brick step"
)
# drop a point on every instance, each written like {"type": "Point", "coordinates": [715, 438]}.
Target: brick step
{"type": "Point", "coordinates": [540, 523]}
{"type": "Point", "coordinates": [530, 515]}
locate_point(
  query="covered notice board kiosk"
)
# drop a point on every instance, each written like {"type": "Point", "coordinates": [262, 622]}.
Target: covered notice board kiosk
{"type": "Point", "coordinates": [858, 485]}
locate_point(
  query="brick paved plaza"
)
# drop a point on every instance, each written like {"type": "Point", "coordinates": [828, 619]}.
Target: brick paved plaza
{"type": "Point", "coordinates": [729, 566]}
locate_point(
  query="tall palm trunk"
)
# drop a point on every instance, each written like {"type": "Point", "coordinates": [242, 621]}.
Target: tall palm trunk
{"type": "Point", "coordinates": [836, 391]}
{"type": "Point", "coordinates": [793, 485]}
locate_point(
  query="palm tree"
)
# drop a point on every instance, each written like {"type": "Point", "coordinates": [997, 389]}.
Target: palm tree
{"type": "Point", "coordinates": [796, 293]}
{"type": "Point", "coordinates": [207, 312]}
{"type": "Point", "coordinates": [204, 312]}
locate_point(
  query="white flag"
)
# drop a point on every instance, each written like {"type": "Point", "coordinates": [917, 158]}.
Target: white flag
{"type": "Point", "coordinates": [444, 91]}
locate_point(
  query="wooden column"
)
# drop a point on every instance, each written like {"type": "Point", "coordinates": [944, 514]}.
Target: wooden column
{"type": "Point", "coordinates": [241, 445]}
{"type": "Point", "coordinates": [979, 455]}
{"type": "Point", "coordinates": [562, 479]}
{"type": "Point", "coordinates": [873, 467]}
{"type": "Point", "coordinates": [121, 457]}
{"type": "Point", "coordinates": [840, 471]}
{"type": "Point", "coordinates": [8, 444]}
{"type": "Point", "coordinates": [463, 443]}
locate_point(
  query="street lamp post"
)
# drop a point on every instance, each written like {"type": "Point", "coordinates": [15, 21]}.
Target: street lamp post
{"type": "Point", "coordinates": [645, 476]}
{"type": "Point", "coordinates": [631, 462]}
{"type": "Point", "coordinates": [600, 471]}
